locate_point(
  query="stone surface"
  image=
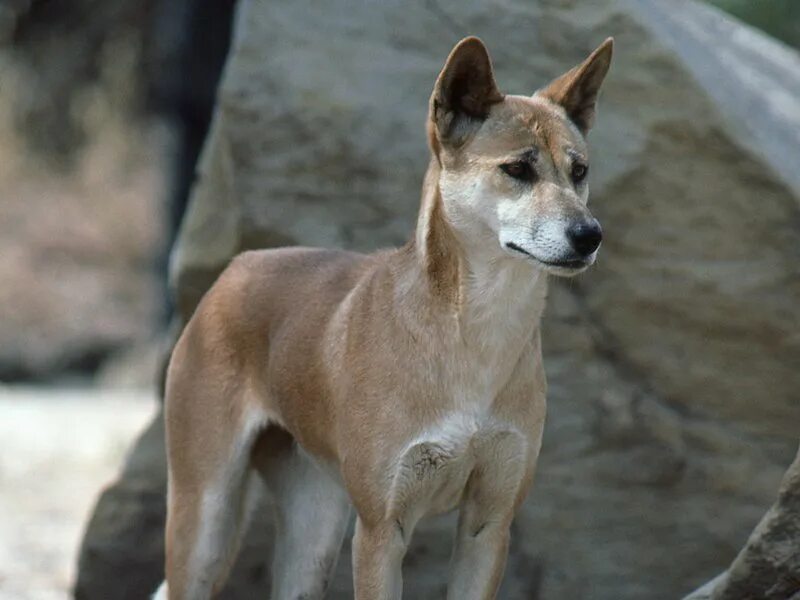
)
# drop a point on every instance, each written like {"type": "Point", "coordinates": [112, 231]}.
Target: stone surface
{"type": "Point", "coordinates": [672, 364]}
{"type": "Point", "coordinates": [769, 564]}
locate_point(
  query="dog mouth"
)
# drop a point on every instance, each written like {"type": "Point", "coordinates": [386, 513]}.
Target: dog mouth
{"type": "Point", "coordinates": [563, 265]}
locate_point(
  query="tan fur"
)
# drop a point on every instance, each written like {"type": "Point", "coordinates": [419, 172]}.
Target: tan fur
{"type": "Point", "coordinates": [412, 377]}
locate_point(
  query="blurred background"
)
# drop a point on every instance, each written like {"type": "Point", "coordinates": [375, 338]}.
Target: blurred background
{"type": "Point", "coordinates": [674, 365]}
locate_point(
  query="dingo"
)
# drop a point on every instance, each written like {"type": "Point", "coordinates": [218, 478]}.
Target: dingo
{"type": "Point", "coordinates": [405, 383]}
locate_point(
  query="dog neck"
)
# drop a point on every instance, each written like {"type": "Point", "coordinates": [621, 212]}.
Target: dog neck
{"type": "Point", "coordinates": [487, 290]}
{"type": "Point", "coordinates": [436, 246]}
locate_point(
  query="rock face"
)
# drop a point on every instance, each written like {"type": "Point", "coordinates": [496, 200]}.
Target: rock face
{"type": "Point", "coordinates": [672, 365]}
{"type": "Point", "coordinates": [768, 565]}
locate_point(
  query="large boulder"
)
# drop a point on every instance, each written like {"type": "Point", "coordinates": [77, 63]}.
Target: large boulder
{"type": "Point", "coordinates": [769, 564]}
{"type": "Point", "coordinates": [672, 365]}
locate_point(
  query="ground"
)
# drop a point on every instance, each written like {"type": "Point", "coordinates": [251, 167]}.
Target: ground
{"type": "Point", "coordinates": [58, 447]}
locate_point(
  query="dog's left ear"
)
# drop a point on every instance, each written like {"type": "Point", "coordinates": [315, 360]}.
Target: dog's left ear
{"type": "Point", "coordinates": [577, 89]}
{"type": "Point", "coordinates": [464, 92]}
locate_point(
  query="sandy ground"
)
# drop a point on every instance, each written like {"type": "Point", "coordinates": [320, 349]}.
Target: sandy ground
{"type": "Point", "coordinates": [57, 449]}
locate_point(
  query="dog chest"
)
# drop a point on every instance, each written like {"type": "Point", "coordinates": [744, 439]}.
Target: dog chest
{"type": "Point", "coordinates": [431, 472]}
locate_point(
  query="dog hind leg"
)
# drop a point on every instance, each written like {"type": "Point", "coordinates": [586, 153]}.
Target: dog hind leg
{"type": "Point", "coordinates": [207, 500]}
{"type": "Point", "coordinates": [312, 513]}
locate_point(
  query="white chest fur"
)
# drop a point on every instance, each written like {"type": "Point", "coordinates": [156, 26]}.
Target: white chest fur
{"type": "Point", "coordinates": [432, 471]}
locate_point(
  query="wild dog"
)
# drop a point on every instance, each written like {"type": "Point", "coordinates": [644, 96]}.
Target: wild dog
{"type": "Point", "coordinates": [405, 383]}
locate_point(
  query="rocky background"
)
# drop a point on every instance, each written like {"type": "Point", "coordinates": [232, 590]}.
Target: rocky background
{"type": "Point", "coordinates": [673, 364]}
{"type": "Point", "coordinates": [103, 109]}
{"type": "Point", "coordinates": [80, 219]}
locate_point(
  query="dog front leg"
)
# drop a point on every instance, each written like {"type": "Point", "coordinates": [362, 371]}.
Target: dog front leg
{"type": "Point", "coordinates": [495, 489]}
{"type": "Point", "coordinates": [480, 555]}
{"type": "Point", "coordinates": [378, 552]}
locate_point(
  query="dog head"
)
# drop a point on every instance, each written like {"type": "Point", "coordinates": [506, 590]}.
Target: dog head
{"type": "Point", "coordinates": [514, 168]}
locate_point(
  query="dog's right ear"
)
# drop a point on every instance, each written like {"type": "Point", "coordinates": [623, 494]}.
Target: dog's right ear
{"type": "Point", "coordinates": [463, 94]}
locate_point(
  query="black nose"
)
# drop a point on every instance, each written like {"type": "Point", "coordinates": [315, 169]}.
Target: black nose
{"type": "Point", "coordinates": [585, 236]}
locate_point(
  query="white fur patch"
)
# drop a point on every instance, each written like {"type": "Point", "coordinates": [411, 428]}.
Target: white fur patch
{"type": "Point", "coordinates": [550, 243]}
{"type": "Point", "coordinates": [161, 592]}
{"type": "Point", "coordinates": [432, 471]}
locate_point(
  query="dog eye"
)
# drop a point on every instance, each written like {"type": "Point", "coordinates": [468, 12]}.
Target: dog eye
{"type": "Point", "coordinates": [579, 171]}
{"type": "Point", "coordinates": [521, 170]}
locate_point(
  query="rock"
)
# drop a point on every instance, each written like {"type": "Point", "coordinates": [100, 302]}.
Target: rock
{"type": "Point", "coordinates": [672, 364]}
{"type": "Point", "coordinates": [134, 367]}
{"type": "Point", "coordinates": [769, 564]}
{"type": "Point", "coordinates": [124, 557]}
{"type": "Point", "coordinates": [126, 546]}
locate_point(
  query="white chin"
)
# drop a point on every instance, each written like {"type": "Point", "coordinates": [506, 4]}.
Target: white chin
{"type": "Point", "coordinates": [564, 271]}
{"type": "Point", "coordinates": [567, 268]}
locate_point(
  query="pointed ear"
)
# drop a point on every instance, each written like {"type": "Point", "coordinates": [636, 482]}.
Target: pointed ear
{"type": "Point", "coordinates": [464, 92]}
{"type": "Point", "coordinates": [577, 89]}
